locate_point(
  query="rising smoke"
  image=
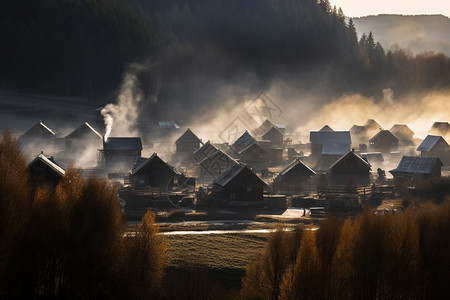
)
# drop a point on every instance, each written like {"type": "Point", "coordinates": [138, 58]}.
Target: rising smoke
{"type": "Point", "coordinates": [121, 118]}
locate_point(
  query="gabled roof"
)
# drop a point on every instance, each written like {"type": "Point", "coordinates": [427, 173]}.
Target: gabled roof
{"type": "Point", "coordinates": [140, 163]}
{"type": "Point", "coordinates": [440, 127]}
{"type": "Point", "coordinates": [252, 145]}
{"type": "Point", "coordinates": [82, 131]}
{"type": "Point", "coordinates": [217, 163]}
{"type": "Point", "coordinates": [122, 143]}
{"type": "Point", "coordinates": [168, 125]}
{"type": "Point", "coordinates": [326, 128]}
{"type": "Point", "coordinates": [335, 149]}
{"type": "Point", "coordinates": [416, 165]}
{"type": "Point", "coordinates": [204, 151]}
{"type": "Point", "coordinates": [357, 129]}
{"type": "Point", "coordinates": [272, 130]}
{"type": "Point", "coordinates": [335, 137]}
{"type": "Point", "coordinates": [39, 128]}
{"type": "Point", "coordinates": [429, 142]}
{"type": "Point", "coordinates": [297, 163]}
{"type": "Point", "coordinates": [401, 130]}
{"type": "Point", "coordinates": [382, 133]}
{"type": "Point", "coordinates": [371, 124]}
{"type": "Point", "coordinates": [188, 136]}
{"type": "Point", "coordinates": [224, 178]}
{"type": "Point", "coordinates": [244, 141]}
{"type": "Point", "coordinates": [226, 148]}
{"type": "Point", "coordinates": [350, 154]}
{"type": "Point", "coordinates": [52, 165]}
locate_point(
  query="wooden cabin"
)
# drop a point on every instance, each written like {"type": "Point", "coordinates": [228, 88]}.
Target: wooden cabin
{"type": "Point", "coordinates": [275, 137]}
{"type": "Point", "coordinates": [44, 171]}
{"type": "Point", "coordinates": [188, 142]}
{"type": "Point", "coordinates": [83, 136]}
{"type": "Point", "coordinates": [239, 186]}
{"type": "Point", "coordinates": [351, 169]}
{"type": "Point", "coordinates": [216, 163]}
{"type": "Point", "coordinates": [384, 141]}
{"type": "Point", "coordinates": [254, 154]}
{"type": "Point", "coordinates": [326, 128]}
{"type": "Point", "coordinates": [440, 129]}
{"type": "Point", "coordinates": [414, 168]}
{"type": "Point", "coordinates": [372, 127]}
{"type": "Point", "coordinates": [435, 146]}
{"type": "Point", "coordinates": [243, 142]}
{"type": "Point", "coordinates": [204, 151]}
{"type": "Point", "coordinates": [403, 133]}
{"type": "Point", "coordinates": [120, 153]}
{"type": "Point", "coordinates": [37, 136]}
{"type": "Point", "coordinates": [291, 178]}
{"type": "Point", "coordinates": [152, 172]}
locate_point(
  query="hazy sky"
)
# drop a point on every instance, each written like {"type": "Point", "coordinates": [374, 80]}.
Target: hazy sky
{"type": "Point", "coordinates": [358, 8]}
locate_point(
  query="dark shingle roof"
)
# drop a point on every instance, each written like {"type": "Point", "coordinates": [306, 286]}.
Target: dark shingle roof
{"type": "Point", "coordinates": [244, 141]}
{"type": "Point", "coordinates": [188, 136]}
{"type": "Point", "coordinates": [326, 128]}
{"type": "Point", "coordinates": [297, 163]}
{"type": "Point", "coordinates": [335, 149]}
{"type": "Point", "coordinates": [224, 178]}
{"type": "Point", "coordinates": [347, 156]}
{"type": "Point", "coordinates": [82, 131]}
{"type": "Point", "coordinates": [383, 133]}
{"type": "Point", "coordinates": [122, 143]}
{"type": "Point", "coordinates": [141, 163]}
{"type": "Point", "coordinates": [335, 137]}
{"type": "Point", "coordinates": [39, 128]}
{"type": "Point", "coordinates": [429, 142]}
{"type": "Point", "coordinates": [416, 165]}
{"type": "Point", "coordinates": [401, 130]}
{"type": "Point", "coordinates": [204, 151]}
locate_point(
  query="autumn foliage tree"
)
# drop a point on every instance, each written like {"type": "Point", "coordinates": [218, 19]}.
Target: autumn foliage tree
{"type": "Point", "coordinates": [69, 242]}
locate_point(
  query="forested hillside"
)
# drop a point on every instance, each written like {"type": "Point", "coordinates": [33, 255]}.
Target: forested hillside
{"type": "Point", "coordinates": [193, 48]}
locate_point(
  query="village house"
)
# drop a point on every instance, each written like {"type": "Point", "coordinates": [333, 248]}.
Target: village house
{"type": "Point", "coordinates": [275, 137]}
{"type": "Point", "coordinates": [120, 153]}
{"type": "Point", "coordinates": [403, 133]}
{"type": "Point", "coordinates": [384, 141]}
{"type": "Point", "coordinates": [372, 127]}
{"type": "Point", "coordinates": [83, 136]}
{"type": "Point", "coordinates": [266, 126]}
{"type": "Point", "coordinates": [188, 142]}
{"type": "Point", "coordinates": [350, 170]}
{"type": "Point", "coordinates": [413, 168]}
{"type": "Point", "coordinates": [152, 173]}
{"type": "Point", "coordinates": [215, 164]}
{"type": "Point", "coordinates": [243, 142]}
{"type": "Point", "coordinates": [440, 129]}
{"type": "Point", "coordinates": [239, 186]}
{"type": "Point", "coordinates": [358, 135]}
{"type": "Point", "coordinates": [435, 146]}
{"type": "Point", "coordinates": [292, 178]}
{"type": "Point", "coordinates": [254, 154]}
{"type": "Point", "coordinates": [38, 136]}
{"type": "Point", "coordinates": [44, 171]}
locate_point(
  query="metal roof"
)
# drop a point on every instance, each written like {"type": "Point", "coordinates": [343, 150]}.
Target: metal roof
{"type": "Point", "coordinates": [429, 142]}
{"type": "Point", "coordinates": [224, 178]}
{"type": "Point", "coordinates": [297, 163]}
{"type": "Point", "coordinates": [346, 156]}
{"type": "Point", "coordinates": [168, 124]}
{"type": "Point", "coordinates": [122, 143]}
{"type": "Point", "coordinates": [52, 165]}
{"type": "Point", "coordinates": [188, 136]}
{"type": "Point", "coordinates": [335, 137]}
{"type": "Point", "coordinates": [416, 165]}
{"type": "Point", "coordinates": [83, 130]}
{"type": "Point", "coordinates": [335, 149]}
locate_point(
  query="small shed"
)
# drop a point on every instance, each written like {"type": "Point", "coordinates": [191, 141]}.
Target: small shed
{"type": "Point", "coordinates": [350, 169]}
{"type": "Point", "coordinates": [417, 168]}
{"type": "Point", "coordinates": [44, 171]}
{"type": "Point", "coordinates": [239, 186]}
{"type": "Point", "coordinates": [120, 153]}
{"type": "Point", "coordinates": [275, 137]}
{"type": "Point", "coordinates": [152, 172]}
{"type": "Point", "coordinates": [243, 141]}
{"type": "Point", "coordinates": [188, 142]}
{"type": "Point", "coordinates": [435, 146]}
{"type": "Point", "coordinates": [384, 141]}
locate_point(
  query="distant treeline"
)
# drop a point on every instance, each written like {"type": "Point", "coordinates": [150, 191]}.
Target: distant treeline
{"type": "Point", "coordinates": [82, 47]}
